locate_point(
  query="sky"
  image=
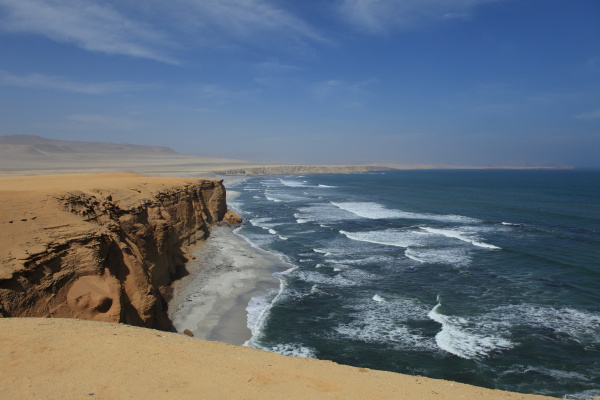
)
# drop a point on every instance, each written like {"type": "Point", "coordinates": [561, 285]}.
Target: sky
{"type": "Point", "coordinates": [452, 82]}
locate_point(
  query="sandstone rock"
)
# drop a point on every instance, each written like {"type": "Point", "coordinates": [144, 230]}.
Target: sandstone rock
{"type": "Point", "coordinates": [232, 218]}
{"type": "Point", "coordinates": [103, 246]}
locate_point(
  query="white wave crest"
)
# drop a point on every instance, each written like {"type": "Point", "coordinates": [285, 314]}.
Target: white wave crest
{"type": "Point", "coordinates": [270, 198]}
{"type": "Point", "coordinates": [389, 237]}
{"type": "Point", "coordinates": [443, 255]}
{"type": "Point", "coordinates": [259, 309]}
{"type": "Point", "coordinates": [265, 223]}
{"type": "Point", "coordinates": [323, 213]}
{"type": "Point", "coordinates": [293, 350]}
{"type": "Point", "coordinates": [377, 211]}
{"type": "Point", "coordinates": [467, 339]}
{"type": "Point", "coordinates": [460, 236]}
{"type": "Point", "coordinates": [291, 183]}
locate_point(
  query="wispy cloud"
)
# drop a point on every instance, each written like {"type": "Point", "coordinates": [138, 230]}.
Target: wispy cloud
{"type": "Point", "coordinates": [339, 92]}
{"type": "Point", "coordinates": [155, 29]}
{"type": "Point", "coordinates": [93, 26]}
{"type": "Point", "coordinates": [245, 19]}
{"type": "Point", "coordinates": [41, 81]}
{"type": "Point", "coordinates": [379, 16]}
{"type": "Point", "coordinates": [590, 115]}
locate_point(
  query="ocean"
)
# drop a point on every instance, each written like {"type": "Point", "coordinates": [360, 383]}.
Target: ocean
{"type": "Point", "coordinates": [486, 277]}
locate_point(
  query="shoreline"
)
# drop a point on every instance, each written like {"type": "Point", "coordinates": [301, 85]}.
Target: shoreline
{"type": "Point", "coordinates": [225, 273]}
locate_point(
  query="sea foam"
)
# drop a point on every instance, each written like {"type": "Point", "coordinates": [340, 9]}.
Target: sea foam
{"type": "Point", "coordinates": [389, 237]}
{"type": "Point", "coordinates": [293, 183]}
{"type": "Point", "coordinates": [385, 322]}
{"type": "Point", "coordinates": [377, 211]}
{"type": "Point", "coordinates": [456, 256]}
{"type": "Point", "coordinates": [259, 308]}
{"type": "Point", "coordinates": [465, 339]}
{"type": "Point", "coordinates": [460, 236]}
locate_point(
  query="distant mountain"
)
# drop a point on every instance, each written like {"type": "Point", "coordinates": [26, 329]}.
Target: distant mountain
{"type": "Point", "coordinates": [36, 146]}
{"type": "Point", "coordinates": [35, 153]}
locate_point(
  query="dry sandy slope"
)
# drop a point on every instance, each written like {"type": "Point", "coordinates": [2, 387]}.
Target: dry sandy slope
{"type": "Point", "coordinates": [62, 358]}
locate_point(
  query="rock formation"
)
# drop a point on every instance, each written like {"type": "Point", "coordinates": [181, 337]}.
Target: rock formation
{"type": "Point", "coordinates": [100, 247]}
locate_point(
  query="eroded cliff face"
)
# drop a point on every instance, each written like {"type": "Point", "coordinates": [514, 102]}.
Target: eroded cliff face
{"type": "Point", "coordinates": [107, 251]}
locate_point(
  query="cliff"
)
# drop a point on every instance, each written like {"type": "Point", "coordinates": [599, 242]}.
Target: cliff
{"type": "Point", "coordinates": [100, 247]}
{"type": "Point", "coordinates": [299, 169]}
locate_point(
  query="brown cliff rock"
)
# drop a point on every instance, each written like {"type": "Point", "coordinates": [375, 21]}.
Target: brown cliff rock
{"type": "Point", "coordinates": [232, 218]}
{"type": "Point", "coordinates": [100, 247]}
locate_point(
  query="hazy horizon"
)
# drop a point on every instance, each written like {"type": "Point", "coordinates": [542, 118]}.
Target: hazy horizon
{"type": "Point", "coordinates": [463, 82]}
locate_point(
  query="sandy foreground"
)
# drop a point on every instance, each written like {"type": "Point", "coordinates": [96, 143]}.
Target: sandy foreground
{"type": "Point", "coordinates": [75, 359]}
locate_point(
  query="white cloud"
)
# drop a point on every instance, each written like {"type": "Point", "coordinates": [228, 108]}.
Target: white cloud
{"type": "Point", "coordinates": [378, 16]}
{"type": "Point", "coordinates": [93, 26]}
{"type": "Point", "coordinates": [589, 115]}
{"type": "Point", "coordinates": [41, 81]}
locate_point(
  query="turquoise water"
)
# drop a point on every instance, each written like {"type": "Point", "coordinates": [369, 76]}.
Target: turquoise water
{"type": "Point", "coordinates": [490, 278]}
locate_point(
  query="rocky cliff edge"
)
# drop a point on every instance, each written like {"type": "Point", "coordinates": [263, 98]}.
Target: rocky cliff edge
{"type": "Point", "coordinates": [100, 247]}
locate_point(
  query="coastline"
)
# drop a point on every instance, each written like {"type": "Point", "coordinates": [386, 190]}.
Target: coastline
{"type": "Point", "coordinates": [224, 274]}
{"type": "Point", "coordinates": [42, 344]}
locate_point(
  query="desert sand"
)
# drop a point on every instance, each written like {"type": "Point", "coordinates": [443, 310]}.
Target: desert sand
{"type": "Point", "coordinates": [74, 359]}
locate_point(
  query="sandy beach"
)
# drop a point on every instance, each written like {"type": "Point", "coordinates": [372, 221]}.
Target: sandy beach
{"type": "Point", "coordinates": [226, 273]}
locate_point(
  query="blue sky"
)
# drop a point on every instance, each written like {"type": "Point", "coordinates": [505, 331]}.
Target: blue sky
{"type": "Point", "coordinates": [462, 82]}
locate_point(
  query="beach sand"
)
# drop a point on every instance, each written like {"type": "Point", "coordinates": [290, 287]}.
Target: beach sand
{"type": "Point", "coordinates": [226, 273]}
